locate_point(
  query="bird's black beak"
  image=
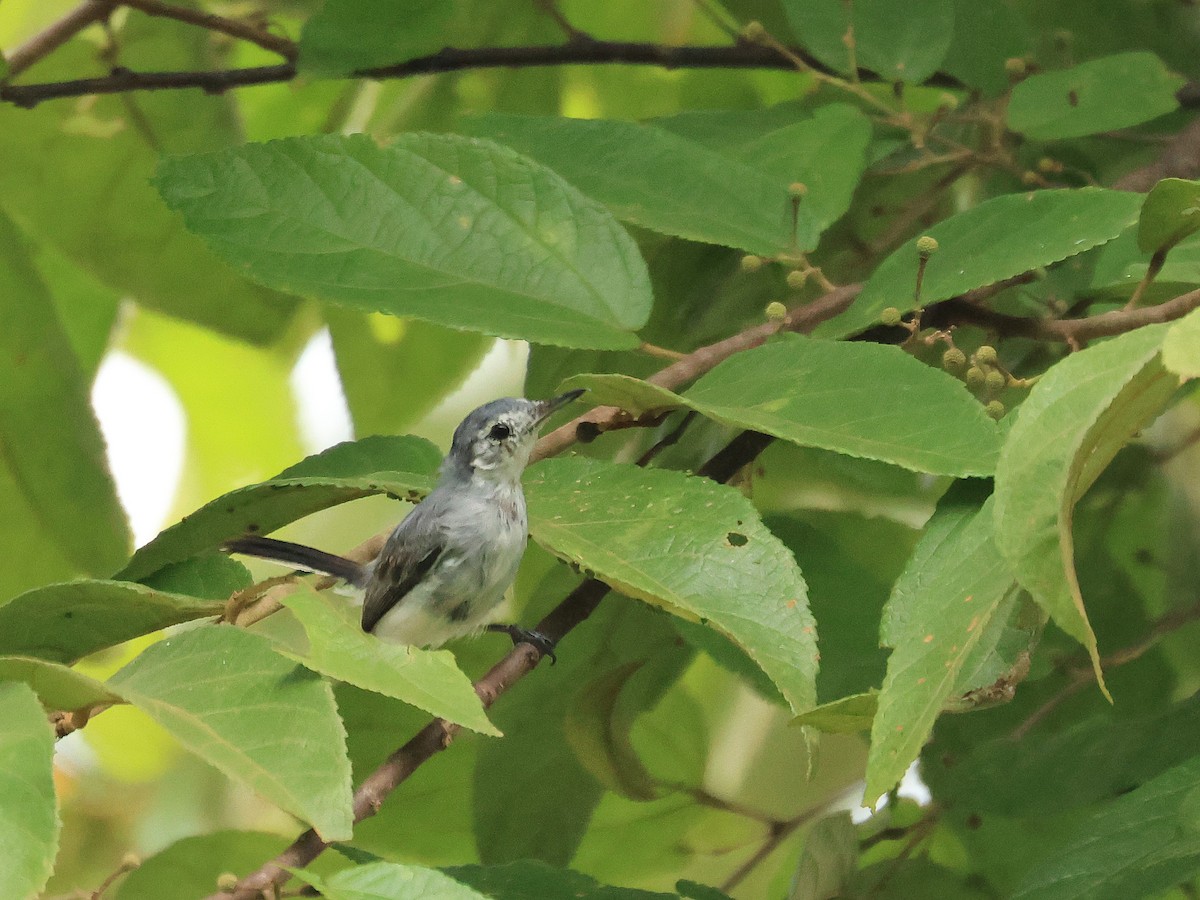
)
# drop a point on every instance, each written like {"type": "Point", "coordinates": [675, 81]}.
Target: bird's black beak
{"type": "Point", "coordinates": [547, 408]}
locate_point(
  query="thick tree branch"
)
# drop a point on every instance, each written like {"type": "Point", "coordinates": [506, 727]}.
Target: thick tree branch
{"type": "Point", "coordinates": [439, 734]}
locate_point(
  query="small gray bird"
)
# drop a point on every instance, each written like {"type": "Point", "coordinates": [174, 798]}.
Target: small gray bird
{"type": "Point", "coordinates": [446, 566]}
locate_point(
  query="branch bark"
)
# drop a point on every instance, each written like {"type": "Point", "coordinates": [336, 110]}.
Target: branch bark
{"type": "Point", "coordinates": [449, 59]}
{"type": "Point", "coordinates": [211, 22]}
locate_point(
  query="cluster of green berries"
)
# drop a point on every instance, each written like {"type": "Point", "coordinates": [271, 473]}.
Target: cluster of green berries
{"type": "Point", "coordinates": [982, 376]}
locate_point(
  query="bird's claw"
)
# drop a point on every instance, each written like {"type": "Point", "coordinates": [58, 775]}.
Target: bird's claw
{"type": "Point", "coordinates": [542, 643]}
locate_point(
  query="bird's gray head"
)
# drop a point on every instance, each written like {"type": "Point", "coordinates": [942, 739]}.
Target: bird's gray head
{"type": "Point", "coordinates": [494, 441]}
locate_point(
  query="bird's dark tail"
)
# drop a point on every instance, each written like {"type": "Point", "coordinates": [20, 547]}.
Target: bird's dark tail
{"type": "Point", "coordinates": [308, 558]}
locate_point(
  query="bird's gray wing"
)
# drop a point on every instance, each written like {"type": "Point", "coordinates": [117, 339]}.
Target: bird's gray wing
{"type": "Point", "coordinates": [408, 556]}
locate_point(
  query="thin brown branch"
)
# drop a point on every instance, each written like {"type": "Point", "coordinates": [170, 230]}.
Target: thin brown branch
{"type": "Point", "coordinates": [439, 734]}
{"type": "Point", "coordinates": [58, 33]}
{"type": "Point", "coordinates": [802, 319]}
{"type": "Point", "coordinates": [237, 29]}
{"type": "Point", "coordinates": [1080, 676]}
{"type": "Point", "coordinates": [1069, 331]}
{"type": "Point", "coordinates": [449, 59]}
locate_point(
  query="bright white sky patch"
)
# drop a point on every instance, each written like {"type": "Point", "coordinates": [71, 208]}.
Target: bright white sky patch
{"type": "Point", "coordinates": [145, 428]}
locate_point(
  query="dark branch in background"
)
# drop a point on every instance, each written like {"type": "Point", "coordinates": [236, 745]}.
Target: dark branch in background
{"type": "Point", "coordinates": [439, 734]}
{"type": "Point", "coordinates": [585, 51]}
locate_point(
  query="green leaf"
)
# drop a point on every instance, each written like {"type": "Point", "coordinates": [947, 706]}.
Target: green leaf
{"type": "Point", "coordinates": [829, 861]}
{"type": "Point", "coordinates": [57, 686]}
{"type": "Point", "coordinates": [1099, 95]}
{"type": "Point", "coordinates": [259, 718]}
{"type": "Point", "coordinates": [390, 881]}
{"type": "Point", "coordinates": [345, 35]}
{"type": "Point", "coordinates": [1181, 346]}
{"type": "Point", "coordinates": [846, 715]}
{"type": "Point", "coordinates": [824, 149]}
{"type": "Point", "coordinates": [28, 815]}
{"type": "Point", "coordinates": [997, 239]}
{"type": "Point", "coordinates": [401, 466]}
{"type": "Point", "coordinates": [900, 40]}
{"type": "Point", "coordinates": [692, 890]}
{"type": "Point", "coordinates": [453, 230]}
{"type": "Point", "coordinates": [381, 359]}
{"type": "Point", "coordinates": [696, 548]}
{"type": "Point", "coordinates": [664, 181]}
{"type": "Point", "coordinates": [954, 591]}
{"type": "Point", "coordinates": [895, 409]}
{"type": "Point", "coordinates": [987, 33]}
{"type": "Point", "coordinates": [53, 474]}
{"type": "Point", "coordinates": [190, 867]}
{"type": "Point", "coordinates": [600, 735]}
{"type": "Point", "coordinates": [427, 679]}
{"type": "Point", "coordinates": [1076, 418]}
{"type": "Point", "coordinates": [528, 878]}
{"type": "Point", "coordinates": [1073, 758]}
{"type": "Point", "coordinates": [1171, 213]}
{"type": "Point", "coordinates": [70, 166]}
{"type": "Point", "coordinates": [65, 622]}
{"type": "Point", "coordinates": [209, 576]}
{"type": "Point", "coordinates": [633, 395]}
{"type": "Point", "coordinates": [1142, 843]}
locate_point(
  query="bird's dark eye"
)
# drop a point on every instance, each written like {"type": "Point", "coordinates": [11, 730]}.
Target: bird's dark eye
{"type": "Point", "coordinates": [500, 432]}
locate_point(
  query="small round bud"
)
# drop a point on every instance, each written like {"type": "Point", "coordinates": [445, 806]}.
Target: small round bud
{"type": "Point", "coordinates": [948, 102]}
{"type": "Point", "coordinates": [754, 31]}
{"type": "Point", "coordinates": [776, 311]}
{"type": "Point", "coordinates": [796, 279]}
{"type": "Point", "coordinates": [227, 881]}
{"type": "Point", "coordinates": [953, 360]}
{"type": "Point", "coordinates": [751, 263]}
{"type": "Point", "coordinates": [1030, 178]}
{"type": "Point", "coordinates": [926, 246]}
{"type": "Point", "coordinates": [986, 355]}
{"type": "Point", "coordinates": [995, 409]}
{"type": "Point", "coordinates": [975, 377]}
{"type": "Point", "coordinates": [890, 316]}
{"type": "Point", "coordinates": [797, 189]}
{"type": "Point", "coordinates": [130, 861]}
{"type": "Point", "coordinates": [1015, 66]}
{"type": "Point", "coordinates": [1049, 166]}
{"type": "Point", "coordinates": [994, 381]}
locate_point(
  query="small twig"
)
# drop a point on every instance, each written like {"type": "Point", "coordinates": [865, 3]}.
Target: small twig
{"type": "Point", "coordinates": [780, 832]}
{"type": "Point", "coordinates": [670, 439]}
{"type": "Point", "coordinates": [719, 17]}
{"type": "Point", "coordinates": [1152, 270]}
{"type": "Point", "coordinates": [550, 8]}
{"type": "Point", "coordinates": [1080, 676]}
{"type": "Point", "coordinates": [661, 352]}
{"type": "Point", "coordinates": [1169, 453]}
{"type": "Point", "coordinates": [211, 22]}
{"type": "Point", "coordinates": [55, 35]}
{"type": "Point", "coordinates": [1070, 331]}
